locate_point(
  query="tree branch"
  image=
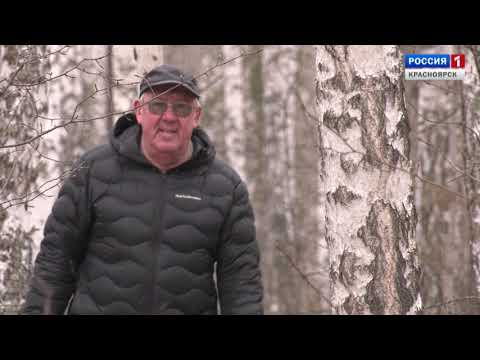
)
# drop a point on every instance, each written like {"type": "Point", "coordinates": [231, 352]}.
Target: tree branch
{"type": "Point", "coordinates": [304, 277]}
{"type": "Point", "coordinates": [74, 120]}
{"type": "Point", "coordinates": [451, 302]}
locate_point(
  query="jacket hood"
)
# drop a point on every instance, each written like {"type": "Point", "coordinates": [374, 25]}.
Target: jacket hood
{"type": "Point", "coordinates": [125, 139]}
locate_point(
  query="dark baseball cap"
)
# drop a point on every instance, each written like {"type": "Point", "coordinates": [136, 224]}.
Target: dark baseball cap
{"type": "Point", "coordinates": [168, 74]}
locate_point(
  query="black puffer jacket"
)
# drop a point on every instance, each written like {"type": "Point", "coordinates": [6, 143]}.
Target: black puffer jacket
{"type": "Point", "coordinates": [123, 238]}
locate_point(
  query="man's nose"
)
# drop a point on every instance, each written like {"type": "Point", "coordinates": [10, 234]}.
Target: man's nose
{"type": "Point", "coordinates": [168, 114]}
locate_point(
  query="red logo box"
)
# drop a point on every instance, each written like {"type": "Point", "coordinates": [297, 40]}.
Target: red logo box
{"type": "Point", "coordinates": [457, 61]}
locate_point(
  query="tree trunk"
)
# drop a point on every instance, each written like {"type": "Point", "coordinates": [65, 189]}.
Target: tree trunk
{"type": "Point", "coordinates": [370, 212]}
{"type": "Point", "coordinates": [185, 57]}
{"type": "Point", "coordinates": [146, 57]}
{"type": "Point", "coordinates": [444, 231]}
{"type": "Point", "coordinates": [256, 167]}
{"type": "Point", "coordinates": [214, 111]}
{"type": "Point", "coordinates": [279, 73]}
{"type": "Point", "coordinates": [470, 89]}
{"type": "Point", "coordinates": [109, 101]}
{"type": "Point", "coordinates": [305, 202]}
{"type": "Point", "coordinates": [20, 167]}
{"type": "Point", "coordinates": [234, 120]}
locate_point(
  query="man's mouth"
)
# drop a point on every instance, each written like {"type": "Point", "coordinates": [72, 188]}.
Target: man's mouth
{"type": "Point", "coordinates": [167, 131]}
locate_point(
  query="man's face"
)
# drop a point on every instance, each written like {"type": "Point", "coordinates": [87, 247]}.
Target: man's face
{"type": "Point", "coordinates": [168, 120]}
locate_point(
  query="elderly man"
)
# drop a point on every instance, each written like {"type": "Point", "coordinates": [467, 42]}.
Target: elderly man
{"type": "Point", "coordinates": [153, 222]}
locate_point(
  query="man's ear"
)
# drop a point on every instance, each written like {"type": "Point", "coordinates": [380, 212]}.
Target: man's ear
{"type": "Point", "coordinates": [138, 107]}
{"type": "Point", "coordinates": [198, 117]}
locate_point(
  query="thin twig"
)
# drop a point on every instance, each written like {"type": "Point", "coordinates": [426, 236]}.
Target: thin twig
{"type": "Point", "coordinates": [452, 164]}
{"type": "Point", "coordinates": [65, 73]}
{"type": "Point", "coordinates": [45, 156]}
{"type": "Point", "coordinates": [304, 277]}
{"type": "Point", "coordinates": [451, 302]}
{"type": "Point", "coordinates": [12, 79]}
{"type": "Point", "coordinates": [38, 190]}
{"type": "Point", "coordinates": [476, 57]}
{"type": "Point", "coordinates": [74, 120]}
{"type": "Point", "coordinates": [395, 167]}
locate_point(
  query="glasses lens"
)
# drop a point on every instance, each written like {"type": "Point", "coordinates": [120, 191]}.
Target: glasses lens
{"type": "Point", "coordinates": [157, 107]}
{"type": "Point", "coordinates": [179, 109]}
{"type": "Point", "coordinates": [182, 109]}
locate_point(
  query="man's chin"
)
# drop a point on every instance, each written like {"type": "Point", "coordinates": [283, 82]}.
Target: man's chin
{"type": "Point", "coordinates": [166, 146]}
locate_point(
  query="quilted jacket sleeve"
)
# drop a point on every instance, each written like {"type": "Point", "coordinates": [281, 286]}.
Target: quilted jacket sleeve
{"type": "Point", "coordinates": [61, 250]}
{"type": "Point", "coordinates": [239, 278]}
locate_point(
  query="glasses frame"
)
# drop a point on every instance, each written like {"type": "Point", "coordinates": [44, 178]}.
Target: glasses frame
{"type": "Point", "coordinates": [170, 105]}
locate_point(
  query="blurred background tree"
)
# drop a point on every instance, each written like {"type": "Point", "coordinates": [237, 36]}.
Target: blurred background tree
{"type": "Point", "coordinates": [260, 108]}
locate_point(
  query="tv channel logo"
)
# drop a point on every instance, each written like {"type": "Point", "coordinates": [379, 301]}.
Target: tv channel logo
{"type": "Point", "coordinates": [434, 66]}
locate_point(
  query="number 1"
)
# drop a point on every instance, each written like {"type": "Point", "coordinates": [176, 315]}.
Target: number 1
{"type": "Point", "coordinates": [457, 60]}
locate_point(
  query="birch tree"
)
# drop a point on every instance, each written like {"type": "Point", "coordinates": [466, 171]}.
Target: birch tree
{"type": "Point", "coordinates": [443, 120]}
{"type": "Point", "coordinates": [370, 213]}
{"type": "Point", "coordinates": [470, 119]}
{"type": "Point", "coordinates": [292, 167]}
{"type": "Point", "coordinates": [86, 96]}
{"type": "Point", "coordinates": [233, 101]}
{"type": "Point", "coordinates": [306, 221]}
{"type": "Point", "coordinates": [255, 150]}
{"type": "Point", "coordinates": [22, 97]}
{"type": "Point", "coordinates": [280, 241]}
{"type": "Point", "coordinates": [214, 112]}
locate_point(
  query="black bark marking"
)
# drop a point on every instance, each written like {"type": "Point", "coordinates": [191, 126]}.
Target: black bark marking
{"type": "Point", "coordinates": [343, 196]}
{"type": "Point", "coordinates": [338, 123]}
{"type": "Point", "coordinates": [338, 82]}
{"type": "Point", "coordinates": [383, 239]}
{"type": "Point", "coordinates": [348, 165]}
{"type": "Point", "coordinates": [347, 268]}
{"type": "Point", "coordinates": [322, 68]}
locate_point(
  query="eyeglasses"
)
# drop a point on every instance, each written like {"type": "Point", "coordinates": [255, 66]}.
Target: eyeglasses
{"type": "Point", "coordinates": [180, 109]}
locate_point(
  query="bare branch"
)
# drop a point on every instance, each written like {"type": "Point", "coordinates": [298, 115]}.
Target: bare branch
{"type": "Point", "coordinates": [35, 148]}
{"type": "Point", "coordinates": [65, 73]}
{"type": "Point", "coordinates": [218, 64]}
{"type": "Point", "coordinates": [38, 191]}
{"type": "Point", "coordinates": [393, 166]}
{"type": "Point", "coordinates": [448, 90]}
{"type": "Point", "coordinates": [304, 277]}
{"type": "Point", "coordinates": [468, 298]}
{"type": "Point", "coordinates": [12, 79]}
{"type": "Point", "coordinates": [363, 154]}
{"type": "Point", "coordinates": [74, 120]}
{"type": "Point", "coordinates": [452, 164]}
{"type": "Point", "coordinates": [476, 57]}
{"type": "Point", "coordinates": [8, 178]}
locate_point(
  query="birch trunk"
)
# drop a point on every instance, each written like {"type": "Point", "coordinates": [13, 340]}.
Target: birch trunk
{"type": "Point", "coordinates": [279, 72]}
{"type": "Point", "coordinates": [234, 121]}
{"type": "Point", "coordinates": [305, 200]}
{"type": "Point", "coordinates": [470, 105]}
{"type": "Point", "coordinates": [256, 169]}
{"type": "Point", "coordinates": [21, 166]}
{"type": "Point", "coordinates": [445, 226]}
{"type": "Point", "coordinates": [370, 212]}
{"type": "Point", "coordinates": [109, 101]}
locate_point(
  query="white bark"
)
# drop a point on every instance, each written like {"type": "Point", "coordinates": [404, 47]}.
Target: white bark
{"type": "Point", "coordinates": [443, 231]}
{"type": "Point", "coordinates": [370, 215]}
{"type": "Point", "coordinates": [279, 73]}
{"type": "Point", "coordinates": [130, 63]}
{"type": "Point", "coordinates": [235, 127]}
{"type": "Point", "coordinates": [20, 167]}
{"type": "Point", "coordinates": [471, 93]}
{"type": "Point", "coordinates": [146, 57]}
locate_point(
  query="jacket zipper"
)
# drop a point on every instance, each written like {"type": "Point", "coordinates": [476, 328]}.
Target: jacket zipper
{"type": "Point", "coordinates": [158, 237]}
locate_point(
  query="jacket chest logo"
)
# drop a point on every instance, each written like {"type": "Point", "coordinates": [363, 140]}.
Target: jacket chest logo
{"type": "Point", "coordinates": [191, 197]}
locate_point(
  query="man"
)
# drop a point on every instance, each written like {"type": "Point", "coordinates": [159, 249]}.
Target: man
{"type": "Point", "coordinates": [151, 223]}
